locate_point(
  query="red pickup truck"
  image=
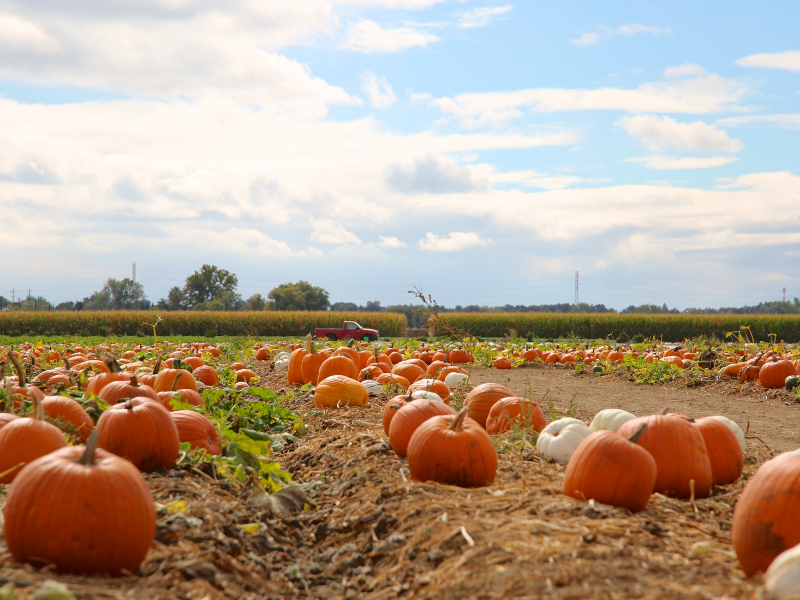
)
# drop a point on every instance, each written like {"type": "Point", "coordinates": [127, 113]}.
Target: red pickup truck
{"type": "Point", "coordinates": [351, 329]}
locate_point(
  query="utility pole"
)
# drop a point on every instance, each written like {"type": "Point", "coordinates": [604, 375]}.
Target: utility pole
{"type": "Point", "coordinates": [12, 295]}
{"type": "Point", "coordinates": [784, 294]}
{"type": "Point", "coordinates": [576, 288]}
{"type": "Point", "coordinates": [134, 272]}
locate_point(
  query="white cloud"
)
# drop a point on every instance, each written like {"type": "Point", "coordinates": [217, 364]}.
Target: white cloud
{"type": "Point", "coordinates": [430, 174]}
{"type": "Point", "coordinates": [392, 242]}
{"type": "Point", "coordinates": [369, 36]}
{"type": "Point", "coordinates": [666, 163]}
{"type": "Point", "coordinates": [457, 240]}
{"type": "Point", "coordinates": [481, 16]}
{"type": "Point", "coordinates": [790, 121]}
{"type": "Point", "coordinates": [329, 232]}
{"type": "Point", "coordinates": [400, 4]}
{"type": "Point", "coordinates": [587, 39]}
{"type": "Point", "coordinates": [699, 95]}
{"type": "Point", "coordinates": [378, 90]}
{"type": "Point", "coordinates": [631, 29]}
{"type": "Point", "coordinates": [663, 132]}
{"type": "Point", "coordinates": [22, 35]}
{"type": "Point", "coordinates": [789, 60]}
{"type": "Point", "coordinates": [684, 70]}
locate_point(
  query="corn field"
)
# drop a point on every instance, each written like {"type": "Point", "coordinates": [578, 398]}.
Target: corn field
{"type": "Point", "coordinates": [121, 322]}
{"type": "Point", "coordinates": [670, 328]}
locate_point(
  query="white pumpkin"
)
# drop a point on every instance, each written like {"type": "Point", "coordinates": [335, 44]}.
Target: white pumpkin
{"type": "Point", "coordinates": [560, 438]}
{"type": "Point", "coordinates": [737, 431]}
{"type": "Point", "coordinates": [426, 395]}
{"type": "Point", "coordinates": [373, 387]}
{"type": "Point", "coordinates": [610, 419]}
{"type": "Point", "coordinates": [782, 579]}
{"type": "Point", "coordinates": [281, 356]}
{"type": "Point", "coordinates": [282, 365]}
{"type": "Point", "coordinates": [453, 380]}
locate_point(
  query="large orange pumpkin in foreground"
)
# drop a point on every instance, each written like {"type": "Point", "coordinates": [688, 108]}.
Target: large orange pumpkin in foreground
{"type": "Point", "coordinates": [141, 430]}
{"type": "Point", "coordinates": [409, 417]}
{"type": "Point", "coordinates": [452, 449]}
{"type": "Point", "coordinates": [56, 514]}
{"type": "Point", "coordinates": [766, 520]}
{"type": "Point", "coordinates": [612, 470]}
{"type": "Point", "coordinates": [679, 451]}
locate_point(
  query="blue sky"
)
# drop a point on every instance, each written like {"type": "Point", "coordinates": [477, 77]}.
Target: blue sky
{"type": "Point", "coordinates": [484, 151]}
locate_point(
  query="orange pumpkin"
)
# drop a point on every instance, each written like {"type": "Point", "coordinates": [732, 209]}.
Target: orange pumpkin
{"type": "Point", "coordinates": [390, 408]}
{"type": "Point", "coordinates": [434, 385]}
{"type": "Point", "coordinates": [197, 430]}
{"type": "Point", "coordinates": [118, 390]}
{"type": "Point", "coordinates": [774, 373]}
{"type": "Point", "coordinates": [409, 417]}
{"type": "Point", "coordinates": [679, 451]}
{"type": "Point", "coordinates": [141, 430]}
{"type": "Point", "coordinates": [207, 375]}
{"type": "Point", "coordinates": [166, 378]}
{"type": "Point", "coordinates": [525, 413]}
{"type": "Point", "coordinates": [724, 451]}
{"type": "Point", "coordinates": [338, 365]}
{"type": "Point", "coordinates": [454, 450]}
{"type": "Point", "coordinates": [295, 372]}
{"type": "Point", "coordinates": [611, 469]}
{"type": "Point", "coordinates": [61, 407]}
{"type": "Point", "coordinates": [24, 440]}
{"type": "Point", "coordinates": [337, 390]}
{"type": "Point", "coordinates": [80, 530]}
{"type": "Point", "coordinates": [481, 399]}
{"type": "Point", "coordinates": [765, 518]}
{"type": "Point", "coordinates": [409, 370]}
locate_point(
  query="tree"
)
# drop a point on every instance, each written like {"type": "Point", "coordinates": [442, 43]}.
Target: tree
{"type": "Point", "coordinates": [208, 283]}
{"type": "Point", "coordinates": [373, 306]}
{"type": "Point", "coordinates": [117, 295]}
{"type": "Point", "coordinates": [224, 300]}
{"type": "Point", "coordinates": [299, 296]}
{"type": "Point", "coordinates": [176, 299]}
{"type": "Point", "coordinates": [256, 302]}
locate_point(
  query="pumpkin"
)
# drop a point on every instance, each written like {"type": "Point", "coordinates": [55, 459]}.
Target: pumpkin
{"type": "Point", "coordinates": [559, 440]}
{"type": "Point", "coordinates": [207, 375]}
{"type": "Point", "coordinates": [435, 367]}
{"type": "Point", "coordinates": [166, 378]}
{"type": "Point", "coordinates": [774, 373]}
{"type": "Point", "coordinates": [453, 450]}
{"type": "Point", "coordinates": [437, 387]}
{"type": "Point", "coordinates": [611, 469]}
{"type": "Point", "coordinates": [197, 430]}
{"type": "Point", "coordinates": [24, 440]}
{"type": "Point", "coordinates": [502, 362]}
{"type": "Point", "coordinates": [295, 372]}
{"type": "Point", "coordinates": [679, 451]}
{"type": "Point", "coordinates": [61, 407]}
{"type": "Point", "coordinates": [141, 430]}
{"type": "Point", "coordinates": [459, 356]}
{"type": "Point", "coordinates": [120, 390]}
{"type": "Point", "coordinates": [453, 380]}
{"type": "Point", "coordinates": [737, 431]}
{"type": "Point", "coordinates": [610, 419]}
{"type": "Point", "coordinates": [22, 388]}
{"type": "Point", "coordinates": [115, 373]}
{"type": "Point", "coordinates": [481, 399]}
{"type": "Point", "coordinates": [337, 390]}
{"type": "Point", "coordinates": [411, 416]}
{"type": "Point", "coordinates": [765, 517]}
{"type": "Point", "coordinates": [792, 382]}
{"type": "Point", "coordinates": [373, 387]}
{"type": "Point", "coordinates": [390, 408]}
{"type": "Point", "coordinates": [724, 451]}
{"type": "Point", "coordinates": [409, 370]}
{"type": "Point", "coordinates": [245, 375]}
{"type": "Point", "coordinates": [79, 529]}
{"type": "Point", "coordinates": [184, 395]}
{"type": "Point", "coordinates": [520, 411]}
{"type": "Point", "coordinates": [393, 380]}
{"type": "Point", "coordinates": [338, 365]}
{"type": "Point", "coordinates": [311, 364]}
{"type": "Point", "coordinates": [442, 376]}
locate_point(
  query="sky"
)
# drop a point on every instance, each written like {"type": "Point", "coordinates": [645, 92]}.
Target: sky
{"type": "Point", "coordinates": [483, 151]}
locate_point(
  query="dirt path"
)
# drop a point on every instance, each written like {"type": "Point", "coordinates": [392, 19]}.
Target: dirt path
{"type": "Point", "coordinates": [775, 422]}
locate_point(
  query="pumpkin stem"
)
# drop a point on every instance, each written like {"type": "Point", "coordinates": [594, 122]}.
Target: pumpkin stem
{"type": "Point", "coordinates": [455, 425]}
{"type": "Point", "coordinates": [157, 368]}
{"type": "Point", "coordinates": [9, 396]}
{"type": "Point", "coordinates": [87, 458]}
{"type": "Point", "coordinates": [113, 365]}
{"type": "Point", "coordinates": [664, 410]}
{"type": "Point", "coordinates": [38, 408]}
{"type": "Point", "coordinates": [66, 363]}
{"type": "Point", "coordinates": [129, 405]}
{"type": "Point", "coordinates": [134, 381]}
{"type": "Point", "coordinates": [18, 367]}
{"type": "Point", "coordinates": [177, 363]}
{"type": "Point", "coordinates": [175, 383]}
{"type": "Point", "coordinates": [637, 434]}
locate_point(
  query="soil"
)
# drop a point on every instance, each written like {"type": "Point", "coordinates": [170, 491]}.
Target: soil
{"type": "Point", "coordinates": [369, 532]}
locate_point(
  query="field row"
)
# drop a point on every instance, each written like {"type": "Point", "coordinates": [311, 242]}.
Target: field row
{"type": "Point", "coordinates": [669, 328]}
